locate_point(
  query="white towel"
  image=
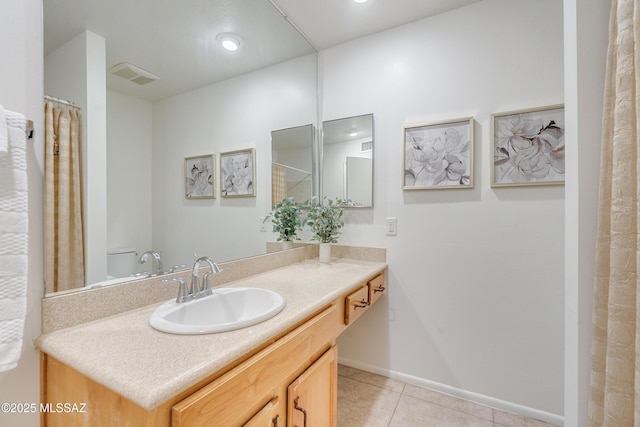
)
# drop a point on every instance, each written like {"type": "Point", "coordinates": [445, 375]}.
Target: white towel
{"type": "Point", "coordinates": [13, 238]}
{"type": "Point", "coordinates": [4, 137]}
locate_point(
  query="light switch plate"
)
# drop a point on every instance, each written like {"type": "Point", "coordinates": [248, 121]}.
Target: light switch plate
{"type": "Point", "coordinates": [391, 226]}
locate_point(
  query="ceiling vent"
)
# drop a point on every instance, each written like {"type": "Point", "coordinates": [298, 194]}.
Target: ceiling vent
{"type": "Point", "coordinates": [132, 73]}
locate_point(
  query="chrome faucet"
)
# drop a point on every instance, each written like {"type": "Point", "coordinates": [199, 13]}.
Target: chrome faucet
{"type": "Point", "coordinates": [156, 256]}
{"type": "Point", "coordinates": [200, 290]}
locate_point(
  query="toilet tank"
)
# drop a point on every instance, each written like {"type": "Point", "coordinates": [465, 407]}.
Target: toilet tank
{"type": "Point", "coordinates": [121, 262]}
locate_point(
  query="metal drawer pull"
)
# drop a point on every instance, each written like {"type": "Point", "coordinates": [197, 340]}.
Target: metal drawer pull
{"type": "Point", "coordinates": [274, 421]}
{"type": "Point", "coordinates": [379, 289]}
{"type": "Point", "coordinates": [301, 409]}
{"type": "Point", "coordinates": [361, 304]}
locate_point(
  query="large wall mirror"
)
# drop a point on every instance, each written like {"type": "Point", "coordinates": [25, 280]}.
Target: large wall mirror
{"type": "Point", "coordinates": [205, 101]}
{"type": "Point", "coordinates": [347, 159]}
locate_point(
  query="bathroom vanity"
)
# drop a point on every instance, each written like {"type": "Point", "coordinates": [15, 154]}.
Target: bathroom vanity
{"type": "Point", "coordinates": [280, 372]}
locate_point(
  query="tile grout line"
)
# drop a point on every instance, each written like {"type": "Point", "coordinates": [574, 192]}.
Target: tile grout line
{"type": "Point", "coordinates": [461, 411]}
{"type": "Point", "coordinates": [373, 385]}
{"type": "Point", "coordinates": [395, 408]}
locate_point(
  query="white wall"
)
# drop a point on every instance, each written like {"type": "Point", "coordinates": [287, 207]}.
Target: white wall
{"type": "Point", "coordinates": [476, 276]}
{"type": "Point", "coordinates": [129, 173]}
{"type": "Point", "coordinates": [95, 153]}
{"type": "Point", "coordinates": [586, 36]}
{"type": "Point", "coordinates": [21, 79]}
{"type": "Point", "coordinates": [231, 115]}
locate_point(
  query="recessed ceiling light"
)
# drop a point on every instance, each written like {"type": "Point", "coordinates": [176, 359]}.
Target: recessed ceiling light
{"type": "Point", "coordinates": [229, 41]}
{"type": "Point", "coordinates": [360, 1]}
{"type": "Point", "coordinates": [353, 132]}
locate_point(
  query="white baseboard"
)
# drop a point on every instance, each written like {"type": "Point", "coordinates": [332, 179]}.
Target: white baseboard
{"type": "Point", "coordinates": [481, 399]}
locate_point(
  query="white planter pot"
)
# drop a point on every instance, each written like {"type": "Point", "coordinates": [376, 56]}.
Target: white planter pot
{"type": "Point", "coordinates": [287, 244]}
{"type": "Point", "coordinates": [325, 252]}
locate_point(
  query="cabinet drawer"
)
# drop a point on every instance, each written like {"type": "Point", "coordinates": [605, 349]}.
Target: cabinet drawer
{"type": "Point", "coordinates": [376, 288]}
{"type": "Point", "coordinates": [355, 304]}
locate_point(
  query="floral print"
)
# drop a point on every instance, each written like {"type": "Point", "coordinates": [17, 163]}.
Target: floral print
{"type": "Point", "coordinates": [237, 175]}
{"type": "Point", "coordinates": [528, 149]}
{"type": "Point", "coordinates": [437, 157]}
{"type": "Point", "coordinates": [199, 178]}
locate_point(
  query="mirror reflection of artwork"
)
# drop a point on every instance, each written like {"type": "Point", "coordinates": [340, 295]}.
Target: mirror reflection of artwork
{"type": "Point", "coordinates": [347, 158]}
{"type": "Point", "coordinates": [237, 173]}
{"type": "Point", "coordinates": [438, 155]}
{"type": "Point", "coordinates": [292, 164]}
{"type": "Point", "coordinates": [199, 173]}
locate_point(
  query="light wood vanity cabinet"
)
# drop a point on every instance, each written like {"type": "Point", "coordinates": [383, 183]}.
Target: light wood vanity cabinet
{"type": "Point", "coordinates": [290, 382]}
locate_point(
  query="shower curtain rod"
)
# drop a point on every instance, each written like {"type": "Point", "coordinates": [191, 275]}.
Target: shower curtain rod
{"type": "Point", "coordinates": [61, 101]}
{"type": "Point", "coordinates": [292, 168]}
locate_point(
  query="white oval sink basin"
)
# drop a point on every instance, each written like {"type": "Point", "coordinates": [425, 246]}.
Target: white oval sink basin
{"type": "Point", "coordinates": [226, 310]}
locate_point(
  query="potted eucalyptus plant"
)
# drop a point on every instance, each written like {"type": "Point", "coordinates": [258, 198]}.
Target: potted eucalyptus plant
{"type": "Point", "coordinates": [324, 219]}
{"type": "Point", "coordinates": [287, 219]}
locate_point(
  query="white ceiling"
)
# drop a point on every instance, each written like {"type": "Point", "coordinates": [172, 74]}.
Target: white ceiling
{"type": "Point", "coordinates": [175, 42]}
{"type": "Point", "coordinates": [327, 23]}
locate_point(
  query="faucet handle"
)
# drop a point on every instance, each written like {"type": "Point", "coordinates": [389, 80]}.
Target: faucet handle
{"type": "Point", "coordinates": [205, 288]}
{"type": "Point", "coordinates": [177, 267]}
{"type": "Point", "coordinates": [143, 274]}
{"type": "Point", "coordinates": [183, 295]}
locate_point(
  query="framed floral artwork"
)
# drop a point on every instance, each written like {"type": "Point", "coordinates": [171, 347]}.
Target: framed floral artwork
{"type": "Point", "coordinates": [528, 147]}
{"type": "Point", "coordinates": [238, 173]}
{"type": "Point", "coordinates": [199, 177]}
{"type": "Point", "coordinates": [438, 155]}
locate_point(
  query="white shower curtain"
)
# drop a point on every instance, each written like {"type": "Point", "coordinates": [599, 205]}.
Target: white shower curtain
{"type": "Point", "coordinates": [64, 241]}
{"type": "Point", "coordinates": [615, 372]}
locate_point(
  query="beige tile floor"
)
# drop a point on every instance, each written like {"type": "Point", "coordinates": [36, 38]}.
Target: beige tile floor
{"type": "Point", "coordinates": [370, 400]}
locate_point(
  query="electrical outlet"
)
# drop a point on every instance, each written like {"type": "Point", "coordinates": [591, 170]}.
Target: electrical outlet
{"type": "Point", "coordinates": [391, 226]}
{"type": "Point", "coordinates": [263, 224]}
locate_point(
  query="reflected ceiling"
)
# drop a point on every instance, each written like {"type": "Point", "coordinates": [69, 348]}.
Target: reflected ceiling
{"type": "Point", "coordinates": [175, 40]}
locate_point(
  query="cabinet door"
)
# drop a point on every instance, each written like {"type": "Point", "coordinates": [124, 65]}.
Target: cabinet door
{"type": "Point", "coordinates": [268, 416]}
{"type": "Point", "coordinates": [312, 399]}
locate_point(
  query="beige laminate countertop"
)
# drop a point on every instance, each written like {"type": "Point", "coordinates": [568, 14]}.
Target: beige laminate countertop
{"type": "Point", "coordinates": [149, 367]}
